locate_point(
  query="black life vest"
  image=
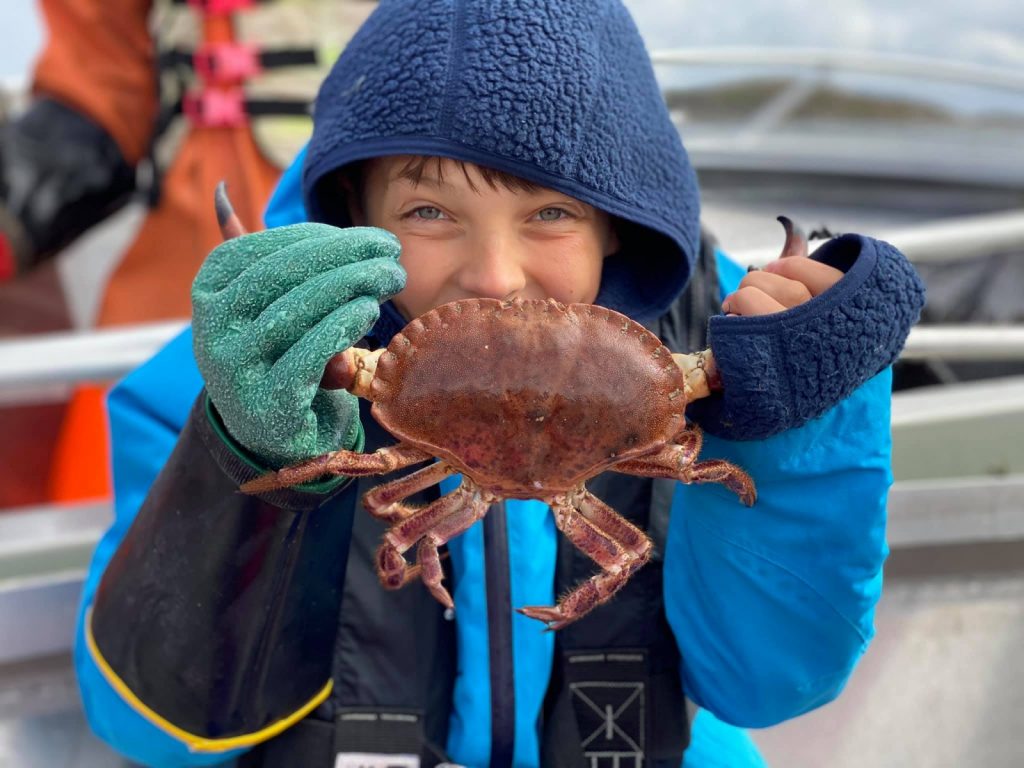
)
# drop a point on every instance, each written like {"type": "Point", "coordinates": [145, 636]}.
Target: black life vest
{"type": "Point", "coordinates": [615, 696]}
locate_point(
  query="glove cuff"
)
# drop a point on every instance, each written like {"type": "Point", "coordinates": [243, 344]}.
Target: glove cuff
{"type": "Point", "coordinates": [240, 464]}
{"type": "Point", "coordinates": [781, 370]}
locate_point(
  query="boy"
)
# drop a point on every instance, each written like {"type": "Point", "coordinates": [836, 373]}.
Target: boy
{"type": "Point", "coordinates": [515, 149]}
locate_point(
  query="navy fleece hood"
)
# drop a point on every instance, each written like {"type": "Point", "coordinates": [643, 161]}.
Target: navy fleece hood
{"type": "Point", "coordinates": [558, 92]}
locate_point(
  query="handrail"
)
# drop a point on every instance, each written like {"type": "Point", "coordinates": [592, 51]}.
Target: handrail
{"type": "Point", "coordinates": [106, 355]}
{"type": "Point", "coordinates": [72, 357]}
{"type": "Point", "coordinates": [965, 342]}
{"type": "Point", "coordinates": [868, 62]}
{"type": "Point", "coordinates": [951, 239]}
{"type": "Point", "coordinates": [766, 140]}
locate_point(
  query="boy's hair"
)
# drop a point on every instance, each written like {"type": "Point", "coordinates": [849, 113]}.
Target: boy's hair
{"type": "Point", "coordinates": [419, 164]}
{"type": "Point", "coordinates": [350, 181]}
{"type": "Point", "coordinates": [352, 177]}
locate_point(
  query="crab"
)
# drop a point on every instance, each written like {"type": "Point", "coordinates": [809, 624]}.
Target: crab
{"type": "Point", "coordinates": [526, 399]}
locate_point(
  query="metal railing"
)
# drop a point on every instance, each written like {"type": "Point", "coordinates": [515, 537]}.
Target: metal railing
{"type": "Point", "coordinates": [953, 239]}
{"type": "Point", "coordinates": [766, 139]}
{"type": "Point", "coordinates": [30, 369]}
{"type": "Point", "coordinates": [865, 62]}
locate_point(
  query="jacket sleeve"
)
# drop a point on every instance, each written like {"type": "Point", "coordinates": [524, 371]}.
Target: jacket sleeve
{"type": "Point", "coordinates": [208, 616]}
{"type": "Point", "coordinates": [69, 161]}
{"type": "Point", "coordinates": [784, 369]}
{"type": "Point", "coordinates": [99, 60]}
{"type": "Point", "coordinates": [772, 606]}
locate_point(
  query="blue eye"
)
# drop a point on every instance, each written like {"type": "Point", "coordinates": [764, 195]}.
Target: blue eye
{"type": "Point", "coordinates": [428, 213]}
{"type": "Point", "coordinates": [551, 214]}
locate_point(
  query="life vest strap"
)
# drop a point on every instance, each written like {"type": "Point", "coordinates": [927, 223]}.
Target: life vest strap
{"type": "Point", "coordinates": [228, 108]}
{"type": "Point", "coordinates": [218, 7]}
{"type": "Point", "coordinates": [228, 63]}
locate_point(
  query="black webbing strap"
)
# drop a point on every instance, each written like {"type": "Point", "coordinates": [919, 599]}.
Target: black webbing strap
{"type": "Point", "coordinates": [601, 717]}
{"type": "Point", "coordinates": [309, 743]}
{"type": "Point", "coordinates": [358, 736]}
{"type": "Point", "coordinates": [180, 58]}
{"type": "Point", "coordinates": [279, 107]}
{"type": "Point", "coordinates": [378, 732]}
{"type": "Point", "coordinates": [499, 629]}
{"type": "Point", "coordinates": [248, 107]}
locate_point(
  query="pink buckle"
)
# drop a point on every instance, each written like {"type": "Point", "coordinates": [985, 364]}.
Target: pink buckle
{"type": "Point", "coordinates": [8, 266]}
{"type": "Point", "coordinates": [220, 7]}
{"type": "Point", "coordinates": [226, 62]}
{"type": "Point", "coordinates": [215, 109]}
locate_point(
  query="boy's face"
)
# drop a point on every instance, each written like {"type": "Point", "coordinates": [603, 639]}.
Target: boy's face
{"type": "Point", "coordinates": [464, 238]}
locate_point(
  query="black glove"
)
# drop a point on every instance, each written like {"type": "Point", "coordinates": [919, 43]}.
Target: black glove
{"type": "Point", "coordinates": [60, 174]}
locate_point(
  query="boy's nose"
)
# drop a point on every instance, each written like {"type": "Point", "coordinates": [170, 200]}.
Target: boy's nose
{"type": "Point", "coordinates": [492, 270]}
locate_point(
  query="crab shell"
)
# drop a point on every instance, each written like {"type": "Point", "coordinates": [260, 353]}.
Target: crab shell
{"type": "Point", "coordinates": [528, 397]}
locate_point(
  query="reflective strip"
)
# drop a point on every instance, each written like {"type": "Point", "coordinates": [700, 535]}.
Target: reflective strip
{"type": "Point", "coordinates": [193, 742]}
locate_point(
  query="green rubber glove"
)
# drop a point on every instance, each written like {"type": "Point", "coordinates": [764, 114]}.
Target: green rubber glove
{"type": "Point", "coordinates": [269, 310]}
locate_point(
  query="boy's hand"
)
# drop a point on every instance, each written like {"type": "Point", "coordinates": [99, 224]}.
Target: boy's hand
{"type": "Point", "coordinates": [269, 310]}
{"type": "Point", "coordinates": [782, 284]}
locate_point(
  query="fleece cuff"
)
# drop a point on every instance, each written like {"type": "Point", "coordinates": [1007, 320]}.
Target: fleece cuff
{"type": "Point", "coordinates": [781, 370]}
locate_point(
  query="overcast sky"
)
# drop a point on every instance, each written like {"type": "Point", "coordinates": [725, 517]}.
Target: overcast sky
{"type": "Point", "coordinates": [20, 37]}
{"type": "Point", "coordinates": [980, 31]}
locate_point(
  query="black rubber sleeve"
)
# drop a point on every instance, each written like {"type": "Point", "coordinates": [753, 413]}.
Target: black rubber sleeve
{"type": "Point", "coordinates": [219, 610]}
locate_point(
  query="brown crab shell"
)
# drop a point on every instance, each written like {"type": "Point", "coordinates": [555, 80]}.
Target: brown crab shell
{"type": "Point", "coordinates": [528, 397]}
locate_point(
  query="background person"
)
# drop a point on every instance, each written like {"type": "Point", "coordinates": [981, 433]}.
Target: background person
{"type": "Point", "coordinates": [192, 93]}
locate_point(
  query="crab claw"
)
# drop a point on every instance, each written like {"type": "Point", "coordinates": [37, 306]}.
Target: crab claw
{"type": "Point", "coordinates": [702, 376]}
{"type": "Point", "coordinates": [353, 370]}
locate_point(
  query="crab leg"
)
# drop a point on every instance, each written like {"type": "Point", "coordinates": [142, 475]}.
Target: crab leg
{"type": "Point", "coordinates": [586, 536]}
{"type": "Point", "coordinates": [676, 462]}
{"type": "Point", "coordinates": [428, 559]}
{"type": "Point", "coordinates": [435, 524]}
{"type": "Point", "coordinates": [349, 463]}
{"type": "Point", "coordinates": [384, 501]}
{"type": "Point", "coordinates": [601, 533]}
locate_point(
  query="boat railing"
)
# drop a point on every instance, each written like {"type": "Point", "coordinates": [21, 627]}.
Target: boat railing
{"type": "Point", "coordinates": [772, 132]}
{"type": "Point", "coordinates": [826, 61]}
{"type": "Point", "coordinates": [43, 368]}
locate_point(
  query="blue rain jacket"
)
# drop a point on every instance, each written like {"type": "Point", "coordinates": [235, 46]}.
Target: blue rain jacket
{"type": "Point", "coordinates": [780, 602]}
{"type": "Point", "coordinates": [771, 607]}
